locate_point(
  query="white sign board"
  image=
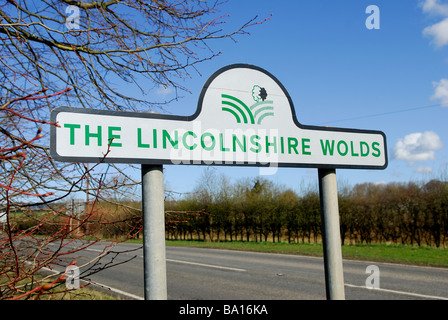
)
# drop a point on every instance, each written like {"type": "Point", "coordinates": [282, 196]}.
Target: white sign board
{"type": "Point", "coordinates": [244, 117]}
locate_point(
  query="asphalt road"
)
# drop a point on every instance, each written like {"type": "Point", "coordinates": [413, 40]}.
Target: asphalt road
{"type": "Point", "coordinates": [209, 274]}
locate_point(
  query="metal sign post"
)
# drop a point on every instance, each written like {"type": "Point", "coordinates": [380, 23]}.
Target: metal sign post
{"type": "Point", "coordinates": [334, 276]}
{"type": "Point", "coordinates": [154, 232]}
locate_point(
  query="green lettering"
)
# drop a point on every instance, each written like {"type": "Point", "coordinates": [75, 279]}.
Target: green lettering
{"type": "Point", "coordinates": [221, 143]}
{"type": "Point", "coordinates": [375, 146]}
{"type": "Point", "coordinates": [327, 148]}
{"type": "Point", "coordinates": [367, 151]}
{"type": "Point", "coordinates": [269, 144]}
{"type": "Point", "coordinates": [93, 135]}
{"type": "Point", "coordinates": [154, 138]}
{"type": "Point", "coordinates": [166, 136]}
{"type": "Point", "coordinates": [342, 142]}
{"type": "Point", "coordinates": [254, 140]}
{"type": "Point", "coordinates": [139, 139]}
{"type": "Point", "coordinates": [113, 136]}
{"type": "Point", "coordinates": [305, 147]}
{"type": "Point", "coordinates": [292, 144]}
{"type": "Point", "coordinates": [282, 145]}
{"type": "Point", "coordinates": [237, 141]}
{"type": "Point", "coordinates": [212, 139]}
{"type": "Point", "coordinates": [184, 140]}
{"type": "Point", "coordinates": [72, 131]}
{"type": "Point", "coordinates": [353, 151]}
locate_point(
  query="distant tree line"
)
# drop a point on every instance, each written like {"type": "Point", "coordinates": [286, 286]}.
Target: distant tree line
{"type": "Point", "coordinates": [257, 210]}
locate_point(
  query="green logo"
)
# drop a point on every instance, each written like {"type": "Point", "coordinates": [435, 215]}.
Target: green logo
{"type": "Point", "coordinates": [253, 114]}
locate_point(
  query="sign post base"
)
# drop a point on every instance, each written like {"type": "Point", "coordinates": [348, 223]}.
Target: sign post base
{"type": "Point", "coordinates": [334, 276]}
{"type": "Point", "coordinates": [154, 232]}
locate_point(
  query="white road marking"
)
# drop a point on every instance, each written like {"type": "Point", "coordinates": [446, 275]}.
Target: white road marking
{"type": "Point", "coordinates": [120, 292]}
{"type": "Point", "coordinates": [123, 293]}
{"type": "Point", "coordinates": [95, 250]}
{"type": "Point", "coordinates": [207, 265]}
{"type": "Point", "coordinates": [398, 292]}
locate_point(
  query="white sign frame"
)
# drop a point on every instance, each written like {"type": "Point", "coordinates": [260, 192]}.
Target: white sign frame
{"type": "Point", "coordinates": [244, 117]}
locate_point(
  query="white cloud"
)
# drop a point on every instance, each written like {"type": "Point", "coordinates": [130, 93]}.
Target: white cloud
{"type": "Point", "coordinates": [418, 146]}
{"type": "Point", "coordinates": [439, 32]}
{"type": "Point", "coordinates": [164, 91]}
{"type": "Point", "coordinates": [425, 170]}
{"type": "Point", "coordinates": [434, 7]}
{"type": "Point", "coordinates": [441, 91]}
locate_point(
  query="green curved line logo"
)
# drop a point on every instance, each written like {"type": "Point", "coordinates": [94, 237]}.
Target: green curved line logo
{"type": "Point", "coordinates": [253, 114]}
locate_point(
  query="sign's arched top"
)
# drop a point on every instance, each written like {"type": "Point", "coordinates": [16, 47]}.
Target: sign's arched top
{"type": "Point", "coordinates": [249, 94]}
{"type": "Point", "coordinates": [244, 116]}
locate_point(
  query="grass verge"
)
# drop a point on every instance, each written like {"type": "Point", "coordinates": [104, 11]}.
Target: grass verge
{"type": "Point", "coordinates": [58, 291]}
{"type": "Point", "coordinates": [405, 254]}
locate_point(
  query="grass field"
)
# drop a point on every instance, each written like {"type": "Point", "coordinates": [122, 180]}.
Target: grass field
{"type": "Point", "coordinates": [422, 256]}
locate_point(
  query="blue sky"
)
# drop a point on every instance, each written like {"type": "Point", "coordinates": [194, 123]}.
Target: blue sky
{"type": "Point", "coordinates": [340, 73]}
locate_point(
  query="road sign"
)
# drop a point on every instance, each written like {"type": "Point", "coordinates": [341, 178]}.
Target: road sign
{"type": "Point", "coordinates": [244, 117]}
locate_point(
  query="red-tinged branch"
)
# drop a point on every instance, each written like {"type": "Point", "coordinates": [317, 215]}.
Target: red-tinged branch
{"type": "Point", "coordinates": [33, 96]}
{"type": "Point", "coordinates": [25, 192]}
{"type": "Point", "coordinates": [29, 119]}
